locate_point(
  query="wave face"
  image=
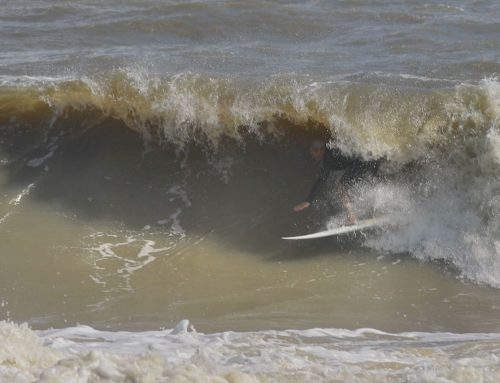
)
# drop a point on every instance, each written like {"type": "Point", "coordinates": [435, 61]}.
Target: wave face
{"type": "Point", "coordinates": [440, 141]}
{"type": "Point", "coordinates": [178, 355]}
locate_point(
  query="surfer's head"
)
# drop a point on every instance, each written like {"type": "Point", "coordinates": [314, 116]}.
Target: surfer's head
{"type": "Point", "coordinates": [317, 150]}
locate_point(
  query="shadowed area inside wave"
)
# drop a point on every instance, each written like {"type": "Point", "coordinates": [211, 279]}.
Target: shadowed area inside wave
{"type": "Point", "coordinates": [104, 173]}
{"type": "Point", "coordinates": [239, 193]}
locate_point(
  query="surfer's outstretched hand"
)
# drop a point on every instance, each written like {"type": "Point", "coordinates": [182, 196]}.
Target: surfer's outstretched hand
{"type": "Point", "coordinates": [301, 206]}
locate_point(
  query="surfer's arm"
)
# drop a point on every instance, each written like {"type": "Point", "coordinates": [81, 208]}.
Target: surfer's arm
{"type": "Point", "coordinates": [323, 175]}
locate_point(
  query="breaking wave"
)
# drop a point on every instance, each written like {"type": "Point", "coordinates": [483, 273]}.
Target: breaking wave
{"type": "Point", "coordinates": [440, 140]}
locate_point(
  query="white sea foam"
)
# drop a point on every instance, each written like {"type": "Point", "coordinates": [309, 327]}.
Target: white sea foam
{"type": "Point", "coordinates": [26, 191]}
{"type": "Point", "coordinates": [36, 162]}
{"type": "Point", "coordinates": [130, 254]}
{"type": "Point", "coordinates": [449, 209]}
{"type": "Point", "coordinates": [82, 353]}
{"type": "Point", "coordinates": [32, 81]}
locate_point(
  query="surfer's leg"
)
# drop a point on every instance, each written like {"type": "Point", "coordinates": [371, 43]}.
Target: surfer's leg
{"type": "Point", "coordinates": [352, 175]}
{"type": "Point", "coordinates": [346, 201]}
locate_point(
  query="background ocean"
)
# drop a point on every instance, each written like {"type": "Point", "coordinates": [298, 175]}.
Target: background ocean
{"type": "Point", "coordinates": [150, 155]}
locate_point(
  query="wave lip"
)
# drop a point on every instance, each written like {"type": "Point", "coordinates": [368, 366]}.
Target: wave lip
{"type": "Point", "coordinates": [398, 117]}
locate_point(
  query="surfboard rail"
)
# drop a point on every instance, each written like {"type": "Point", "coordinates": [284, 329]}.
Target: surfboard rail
{"type": "Point", "coordinates": [361, 225]}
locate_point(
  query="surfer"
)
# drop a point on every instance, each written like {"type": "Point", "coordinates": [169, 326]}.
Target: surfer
{"type": "Point", "coordinates": [332, 159]}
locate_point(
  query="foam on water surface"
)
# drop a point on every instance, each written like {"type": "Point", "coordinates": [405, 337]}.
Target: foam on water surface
{"type": "Point", "coordinates": [128, 252]}
{"type": "Point", "coordinates": [82, 353]}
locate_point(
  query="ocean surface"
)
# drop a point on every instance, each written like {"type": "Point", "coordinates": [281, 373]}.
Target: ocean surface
{"type": "Point", "coordinates": [150, 156]}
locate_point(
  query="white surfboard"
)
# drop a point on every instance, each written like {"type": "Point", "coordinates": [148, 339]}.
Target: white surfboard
{"type": "Point", "coordinates": [359, 226]}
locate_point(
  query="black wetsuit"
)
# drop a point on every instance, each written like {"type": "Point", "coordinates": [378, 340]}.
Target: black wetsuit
{"type": "Point", "coordinates": [354, 168]}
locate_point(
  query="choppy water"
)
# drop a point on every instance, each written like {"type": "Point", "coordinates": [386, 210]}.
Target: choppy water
{"type": "Point", "coordinates": [150, 156]}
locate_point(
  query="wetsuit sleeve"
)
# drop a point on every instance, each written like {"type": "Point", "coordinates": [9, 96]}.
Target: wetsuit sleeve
{"type": "Point", "coordinates": [323, 176]}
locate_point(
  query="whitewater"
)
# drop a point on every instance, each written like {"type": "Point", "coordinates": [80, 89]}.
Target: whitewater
{"type": "Point", "coordinates": [181, 354]}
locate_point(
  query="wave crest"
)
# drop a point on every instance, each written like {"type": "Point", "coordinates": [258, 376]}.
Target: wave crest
{"type": "Point", "coordinates": [400, 122]}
